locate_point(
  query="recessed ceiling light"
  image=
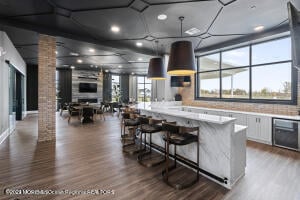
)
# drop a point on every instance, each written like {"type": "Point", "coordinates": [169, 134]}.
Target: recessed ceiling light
{"type": "Point", "coordinates": [115, 29]}
{"type": "Point", "coordinates": [106, 70]}
{"type": "Point", "coordinates": [192, 31]}
{"type": "Point", "coordinates": [91, 65]}
{"type": "Point", "coordinates": [72, 67]}
{"type": "Point", "coordinates": [65, 65]}
{"type": "Point", "coordinates": [259, 28]}
{"type": "Point", "coordinates": [132, 73]}
{"type": "Point", "coordinates": [79, 61]}
{"type": "Point", "coordinates": [162, 17]}
{"type": "Point", "coordinates": [96, 66]}
{"type": "Point", "coordinates": [74, 54]}
{"type": "Point", "coordinates": [92, 50]}
{"type": "Point", "coordinates": [56, 52]}
{"type": "Point", "coordinates": [140, 59]}
{"type": "Point", "coordinates": [120, 66]}
{"type": "Point", "coordinates": [139, 44]}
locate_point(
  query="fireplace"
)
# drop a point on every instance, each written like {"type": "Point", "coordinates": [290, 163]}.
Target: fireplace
{"type": "Point", "coordinates": [88, 100]}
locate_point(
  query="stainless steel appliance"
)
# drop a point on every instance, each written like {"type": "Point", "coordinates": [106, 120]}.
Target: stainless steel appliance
{"type": "Point", "coordinates": [286, 133]}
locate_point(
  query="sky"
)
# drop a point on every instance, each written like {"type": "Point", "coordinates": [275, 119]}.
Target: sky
{"type": "Point", "coordinates": [271, 77]}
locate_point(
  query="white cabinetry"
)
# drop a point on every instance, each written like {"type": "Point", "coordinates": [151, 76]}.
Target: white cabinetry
{"type": "Point", "coordinates": [260, 128]}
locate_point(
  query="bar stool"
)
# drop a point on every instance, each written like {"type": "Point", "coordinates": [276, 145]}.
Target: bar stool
{"type": "Point", "coordinates": [149, 126]}
{"type": "Point", "coordinates": [179, 135]}
{"type": "Point", "coordinates": [132, 123]}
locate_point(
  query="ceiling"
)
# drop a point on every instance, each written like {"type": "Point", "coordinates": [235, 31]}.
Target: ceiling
{"type": "Point", "coordinates": [81, 25]}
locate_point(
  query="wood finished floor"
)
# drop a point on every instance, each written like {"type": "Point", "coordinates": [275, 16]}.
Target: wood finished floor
{"type": "Point", "coordinates": [90, 157]}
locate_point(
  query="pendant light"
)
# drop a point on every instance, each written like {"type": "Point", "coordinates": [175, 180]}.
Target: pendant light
{"type": "Point", "coordinates": [156, 69]}
{"type": "Point", "coordinates": [182, 57]}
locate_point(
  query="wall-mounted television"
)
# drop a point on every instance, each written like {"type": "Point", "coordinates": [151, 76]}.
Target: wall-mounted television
{"type": "Point", "coordinates": [88, 87]}
{"type": "Point", "coordinates": [180, 81]}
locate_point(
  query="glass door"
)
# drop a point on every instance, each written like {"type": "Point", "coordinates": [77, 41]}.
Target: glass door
{"type": "Point", "coordinates": [12, 98]}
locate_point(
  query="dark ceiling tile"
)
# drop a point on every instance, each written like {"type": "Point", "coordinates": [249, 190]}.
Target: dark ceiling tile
{"type": "Point", "coordinates": [91, 4]}
{"type": "Point", "coordinates": [196, 15]}
{"type": "Point", "coordinates": [100, 22]}
{"type": "Point", "coordinates": [17, 7]}
{"type": "Point", "coordinates": [268, 13]}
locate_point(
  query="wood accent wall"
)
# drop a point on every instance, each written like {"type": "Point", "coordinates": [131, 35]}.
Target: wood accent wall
{"type": "Point", "coordinates": [75, 85]}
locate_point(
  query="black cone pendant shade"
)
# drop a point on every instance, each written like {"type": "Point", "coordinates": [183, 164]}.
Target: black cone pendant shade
{"type": "Point", "coordinates": [156, 70]}
{"type": "Point", "coordinates": [182, 59]}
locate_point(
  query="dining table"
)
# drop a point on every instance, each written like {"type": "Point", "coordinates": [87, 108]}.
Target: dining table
{"type": "Point", "coordinates": [80, 108]}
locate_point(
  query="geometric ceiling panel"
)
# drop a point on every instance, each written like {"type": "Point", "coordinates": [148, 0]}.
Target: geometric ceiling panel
{"type": "Point", "coordinates": [268, 13]}
{"type": "Point", "coordinates": [196, 15]}
{"type": "Point", "coordinates": [17, 7]}
{"type": "Point", "coordinates": [80, 4]}
{"type": "Point", "coordinates": [100, 22]}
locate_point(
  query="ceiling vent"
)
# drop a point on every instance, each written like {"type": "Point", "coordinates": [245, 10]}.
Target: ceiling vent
{"type": "Point", "coordinates": [192, 31]}
{"type": "Point", "coordinates": [139, 6]}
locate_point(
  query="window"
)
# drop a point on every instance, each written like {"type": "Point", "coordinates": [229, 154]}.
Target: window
{"type": "Point", "coordinates": [235, 83]}
{"type": "Point", "coordinates": [255, 73]}
{"type": "Point", "coordinates": [144, 89]}
{"type": "Point", "coordinates": [209, 84]}
{"type": "Point", "coordinates": [115, 88]}
{"type": "Point", "coordinates": [275, 85]}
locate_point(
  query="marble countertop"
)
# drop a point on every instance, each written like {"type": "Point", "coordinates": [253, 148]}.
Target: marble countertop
{"type": "Point", "coordinates": [188, 115]}
{"type": "Point", "coordinates": [296, 117]}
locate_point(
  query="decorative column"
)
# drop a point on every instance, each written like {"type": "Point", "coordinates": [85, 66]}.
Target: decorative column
{"type": "Point", "coordinates": [46, 88]}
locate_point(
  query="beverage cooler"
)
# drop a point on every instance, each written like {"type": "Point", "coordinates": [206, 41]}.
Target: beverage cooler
{"type": "Point", "coordinates": [286, 133]}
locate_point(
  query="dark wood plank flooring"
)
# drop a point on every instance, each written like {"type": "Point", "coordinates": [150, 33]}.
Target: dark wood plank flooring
{"type": "Point", "coordinates": [90, 157]}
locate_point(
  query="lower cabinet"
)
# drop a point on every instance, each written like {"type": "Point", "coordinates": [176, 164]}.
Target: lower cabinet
{"type": "Point", "coordinates": [259, 127]}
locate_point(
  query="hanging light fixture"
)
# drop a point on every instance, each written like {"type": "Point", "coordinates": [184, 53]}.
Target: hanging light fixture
{"type": "Point", "coordinates": [182, 58]}
{"type": "Point", "coordinates": [156, 69]}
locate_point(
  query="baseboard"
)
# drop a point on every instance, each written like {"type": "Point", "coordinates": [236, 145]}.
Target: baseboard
{"type": "Point", "coordinates": [32, 112]}
{"type": "Point", "coordinates": [259, 141]}
{"type": "Point", "coordinates": [4, 135]}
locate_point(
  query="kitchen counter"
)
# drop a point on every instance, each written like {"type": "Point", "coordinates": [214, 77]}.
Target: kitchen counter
{"type": "Point", "coordinates": [222, 142]}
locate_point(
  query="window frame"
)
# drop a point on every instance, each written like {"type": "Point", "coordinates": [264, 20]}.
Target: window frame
{"type": "Point", "coordinates": [144, 86]}
{"type": "Point", "coordinates": [294, 78]}
{"type": "Point", "coordinates": [112, 84]}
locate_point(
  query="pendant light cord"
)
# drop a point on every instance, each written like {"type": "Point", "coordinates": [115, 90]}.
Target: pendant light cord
{"type": "Point", "coordinates": [156, 42]}
{"type": "Point", "coordinates": [181, 21]}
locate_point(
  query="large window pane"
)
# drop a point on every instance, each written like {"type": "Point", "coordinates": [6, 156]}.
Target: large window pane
{"type": "Point", "coordinates": [235, 83]}
{"type": "Point", "coordinates": [144, 89]}
{"type": "Point", "coordinates": [141, 92]}
{"type": "Point", "coordinates": [115, 88]}
{"type": "Point", "coordinates": [272, 82]}
{"type": "Point", "coordinates": [273, 51]}
{"type": "Point", "coordinates": [235, 58]}
{"type": "Point", "coordinates": [209, 84]}
{"type": "Point", "coordinates": [210, 62]}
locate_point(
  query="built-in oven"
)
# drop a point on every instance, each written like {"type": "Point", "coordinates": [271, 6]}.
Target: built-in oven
{"type": "Point", "coordinates": [286, 133]}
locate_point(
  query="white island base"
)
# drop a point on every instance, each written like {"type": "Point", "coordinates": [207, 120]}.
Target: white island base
{"type": "Point", "coordinates": [222, 143]}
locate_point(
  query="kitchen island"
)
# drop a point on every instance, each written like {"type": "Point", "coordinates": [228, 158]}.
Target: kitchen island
{"type": "Point", "coordinates": [222, 142]}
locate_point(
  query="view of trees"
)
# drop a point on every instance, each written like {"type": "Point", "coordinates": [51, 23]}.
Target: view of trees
{"type": "Point", "coordinates": [264, 93]}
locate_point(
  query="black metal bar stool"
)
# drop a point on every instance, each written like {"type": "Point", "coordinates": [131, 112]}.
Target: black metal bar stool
{"type": "Point", "coordinates": [149, 126]}
{"type": "Point", "coordinates": [131, 143]}
{"type": "Point", "coordinates": [179, 135]}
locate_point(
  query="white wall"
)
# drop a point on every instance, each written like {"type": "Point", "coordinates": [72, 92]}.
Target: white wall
{"type": "Point", "coordinates": [15, 59]}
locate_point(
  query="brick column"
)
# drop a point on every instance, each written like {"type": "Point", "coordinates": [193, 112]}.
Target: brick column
{"type": "Point", "coordinates": [46, 88]}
